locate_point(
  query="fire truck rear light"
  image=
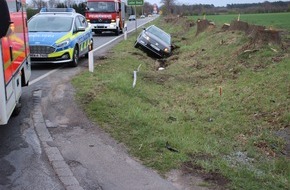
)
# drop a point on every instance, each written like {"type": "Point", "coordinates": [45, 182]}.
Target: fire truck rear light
{"type": "Point", "coordinates": [113, 20]}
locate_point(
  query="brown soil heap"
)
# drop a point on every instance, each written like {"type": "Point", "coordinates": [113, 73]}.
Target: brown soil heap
{"type": "Point", "coordinates": [258, 34]}
{"type": "Point", "coordinates": [180, 20]}
{"type": "Point", "coordinates": [203, 25]}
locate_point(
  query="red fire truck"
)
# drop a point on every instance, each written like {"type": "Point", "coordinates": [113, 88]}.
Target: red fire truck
{"type": "Point", "coordinates": [106, 15]}
{"type": "Point", "coordinates": [15, 69]}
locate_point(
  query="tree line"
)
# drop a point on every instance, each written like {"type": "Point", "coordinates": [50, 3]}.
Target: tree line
{"type": "Point", "coordinates": [171, 7]}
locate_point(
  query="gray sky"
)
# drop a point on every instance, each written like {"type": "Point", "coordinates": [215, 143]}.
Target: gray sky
{"type": "Point", "coordinates": [214, 2]}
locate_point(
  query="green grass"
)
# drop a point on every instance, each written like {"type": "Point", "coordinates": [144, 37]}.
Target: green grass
{"type": "Point", "coordinates": [211, 103]}
{"type": "Point", "coordinates": [273, 20]}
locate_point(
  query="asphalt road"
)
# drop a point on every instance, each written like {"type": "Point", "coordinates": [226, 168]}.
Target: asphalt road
{"type": "Point", "coordinates": [51, 144]}
{"type": "Point", "coordinates": [101, 44]}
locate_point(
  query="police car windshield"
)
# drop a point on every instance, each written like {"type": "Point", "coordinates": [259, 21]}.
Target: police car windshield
{"type": "Point", "coordinates": [48, 23]}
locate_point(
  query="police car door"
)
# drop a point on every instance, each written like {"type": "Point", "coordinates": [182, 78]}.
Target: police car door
{"type": "Point", "coordinates": [83, 37]}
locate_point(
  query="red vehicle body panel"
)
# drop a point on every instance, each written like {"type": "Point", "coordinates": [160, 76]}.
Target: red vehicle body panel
{"type": "Point", "coordinates": [15, 44]}
{"type": "Point", "coordinates": [15, 65]}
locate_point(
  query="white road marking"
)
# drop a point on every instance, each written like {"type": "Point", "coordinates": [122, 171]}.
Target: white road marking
{"type": "Point", "coordinates": [42, 76]}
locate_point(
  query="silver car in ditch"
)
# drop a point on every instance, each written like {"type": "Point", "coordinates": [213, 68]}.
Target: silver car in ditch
{"type": "Point", "coordinates": [154, 40]}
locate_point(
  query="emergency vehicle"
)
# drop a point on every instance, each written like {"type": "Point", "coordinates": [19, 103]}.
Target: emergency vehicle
{"type": "Point", "coordinates": [15, 67]}
{"type": "Point", "coordinates": [106, 15]}
{"type": "Point", "coordinates": [59, 35]}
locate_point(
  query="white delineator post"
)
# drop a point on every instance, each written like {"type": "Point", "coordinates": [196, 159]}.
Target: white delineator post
{"type": "Point", "coordinates": [125, 31]}
{"type": "Point", "coordinates": [91, 61]}
{"type": "Point", "coordinates": [135, 76]}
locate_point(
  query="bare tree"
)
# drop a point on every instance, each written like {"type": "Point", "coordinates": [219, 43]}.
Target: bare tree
{"type": "Point", "coordinates": [168, 6]}
{"type": "Point", "coordinates": [69, 3]}
{"type": "Point", "coordinates": [52, 3]}
{"type": "Point", "coordinates": [39, 3]}
{"type": "Point", "coordinates": [147, 8]}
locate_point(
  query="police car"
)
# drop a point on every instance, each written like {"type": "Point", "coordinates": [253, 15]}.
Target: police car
{"type": "Point", "coordinates": [59, 35]}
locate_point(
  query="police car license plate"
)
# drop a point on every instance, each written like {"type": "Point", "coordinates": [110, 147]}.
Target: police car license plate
{"type": "Point", "coordinates": [38, 55]}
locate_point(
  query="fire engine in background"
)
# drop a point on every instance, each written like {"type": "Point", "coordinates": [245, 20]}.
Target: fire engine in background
{"type": "Point", "coordinates": [15, 69]}
{"type": "Point", "coordinates": [106, 15]}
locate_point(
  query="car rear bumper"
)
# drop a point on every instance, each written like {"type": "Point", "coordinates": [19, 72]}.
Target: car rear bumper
{"type": "Point", "coordinates": [42, 57]}
{"type": "Point", "coordinates": [104, 27]}
{"type": "Point", "coordinates": [65, 58]}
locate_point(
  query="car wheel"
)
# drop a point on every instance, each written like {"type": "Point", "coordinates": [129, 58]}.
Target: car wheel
{"type": "Point", "coordinates": [75, 60]}
{"type": "Point", "coordinates": [91, 47]}
{"type": "Point", "coordinates": [122, 30]}
{"type": "Point", "coordinates": [117, 32]}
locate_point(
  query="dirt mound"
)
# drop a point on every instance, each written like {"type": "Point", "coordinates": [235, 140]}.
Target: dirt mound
{"type": "Point", "coordinates": [203, 25]}
{"type": "Point", "coordinates": [180, 20]}
{"type": "Point", "coordinates": [171, 19]}
{"type": "Point", "coordinates": [226, 26]}
{"type": "Point", "coordinates": [239, 25]}
{"type": "Point", "coordinates": [258, 34]}
{"type": "Point", "coordinates": [266, 36]}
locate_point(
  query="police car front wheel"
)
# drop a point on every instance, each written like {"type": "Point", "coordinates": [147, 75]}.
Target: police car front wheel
{"type": "Point", "coordinates": [90, 48]}
{"type": "Point", "coordinates": [75, 60]}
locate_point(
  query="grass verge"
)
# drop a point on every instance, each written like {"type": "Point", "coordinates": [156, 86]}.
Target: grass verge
{"type": "Point", "coordinates": [218, 106]}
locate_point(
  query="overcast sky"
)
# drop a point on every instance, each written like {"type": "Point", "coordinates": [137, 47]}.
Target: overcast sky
{"type": "Point", "coordinates": [214, 2]}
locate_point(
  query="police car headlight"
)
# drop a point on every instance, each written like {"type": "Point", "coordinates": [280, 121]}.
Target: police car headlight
{"type": "Point", "coordinates": [62, 44]}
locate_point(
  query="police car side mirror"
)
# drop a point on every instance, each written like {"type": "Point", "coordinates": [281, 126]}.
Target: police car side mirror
{"type": "Point", "coordinates": [81, 29]}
